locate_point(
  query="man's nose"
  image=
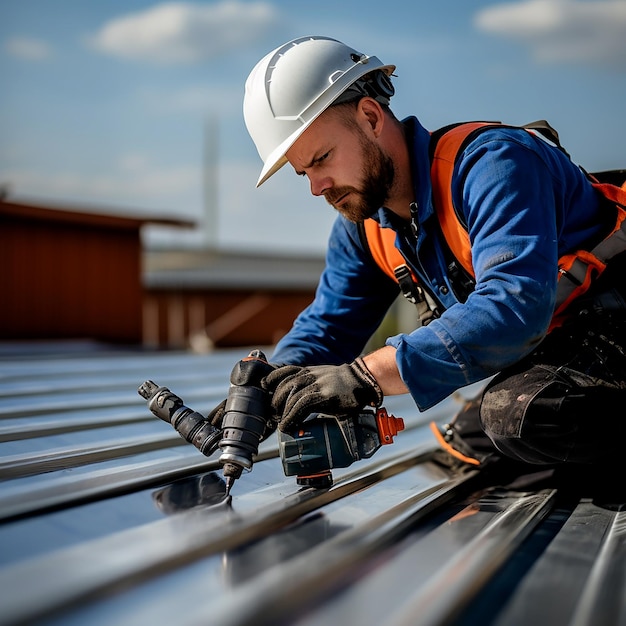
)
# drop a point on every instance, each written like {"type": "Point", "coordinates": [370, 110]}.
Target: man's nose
{"type": "Point", "coordinates": [320, 184]}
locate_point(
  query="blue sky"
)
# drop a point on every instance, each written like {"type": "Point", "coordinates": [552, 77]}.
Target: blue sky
{"type": "Point", "coordinates": [106, 105]}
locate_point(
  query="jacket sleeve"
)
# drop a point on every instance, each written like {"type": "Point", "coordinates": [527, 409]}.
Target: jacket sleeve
{"type": "Point", "coordinates": [350, 302]}
{"type": "Point", "coordinates": [524, 202]}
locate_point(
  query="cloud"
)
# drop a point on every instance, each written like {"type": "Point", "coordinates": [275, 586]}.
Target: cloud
{"type": "Point", "coordinates": [574, 31]}
{"type": "Point", "coordinates": [28, 48]}
{"type": "Point", "coordinates": [179, 32]}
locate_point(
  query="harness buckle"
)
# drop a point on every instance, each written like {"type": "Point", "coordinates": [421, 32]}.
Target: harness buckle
{"type": "Point", "coordinates": [426, 307]}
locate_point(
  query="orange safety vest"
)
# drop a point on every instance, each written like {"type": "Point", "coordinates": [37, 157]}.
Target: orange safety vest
{"type": "Point", "coordinates": [576, 271]}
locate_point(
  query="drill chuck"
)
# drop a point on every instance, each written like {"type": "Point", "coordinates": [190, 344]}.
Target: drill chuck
{"type": "Point", "coordinates": [243, 426]}
{"type": "Point", "coordinates": [245, 415]}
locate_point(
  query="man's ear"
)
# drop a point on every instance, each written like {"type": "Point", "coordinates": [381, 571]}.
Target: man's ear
{"type": "Point", "coordinates": [372, 115]}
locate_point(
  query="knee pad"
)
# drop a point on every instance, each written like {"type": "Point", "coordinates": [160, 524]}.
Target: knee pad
{"type": "Point", "coordinates": [544, 415]}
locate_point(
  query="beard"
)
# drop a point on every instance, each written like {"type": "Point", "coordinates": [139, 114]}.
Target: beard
{"type": "Point", "coordinates": [378, 176]}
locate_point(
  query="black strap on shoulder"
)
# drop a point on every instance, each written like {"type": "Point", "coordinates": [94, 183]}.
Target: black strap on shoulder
{"type": "Point", "coordinates": [545, 129]}
{"type": "Point", "coordinates": [613, 177]}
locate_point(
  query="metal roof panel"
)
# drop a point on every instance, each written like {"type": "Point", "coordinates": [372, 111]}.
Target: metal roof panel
{"type": "Point", "coordinates": [108, 516]}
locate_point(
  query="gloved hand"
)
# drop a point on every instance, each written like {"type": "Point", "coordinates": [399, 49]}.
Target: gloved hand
{"type": "Point", "coordinates": [335, 389]}
{"type": "Point", "coordinates": [216, 416]}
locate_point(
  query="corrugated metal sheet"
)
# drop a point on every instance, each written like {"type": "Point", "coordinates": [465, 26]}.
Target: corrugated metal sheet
{"type": "Point", "coordinates": [108, 517]}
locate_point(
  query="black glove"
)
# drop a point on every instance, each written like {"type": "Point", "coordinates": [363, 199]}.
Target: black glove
{"type": "Point", "coordinates": [216, 416]}
{"type": "Point", "coordinates": [334, 389]}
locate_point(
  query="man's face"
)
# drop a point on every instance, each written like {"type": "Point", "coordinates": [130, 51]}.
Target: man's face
{"type": "Point", "coordinates": [344, 165]}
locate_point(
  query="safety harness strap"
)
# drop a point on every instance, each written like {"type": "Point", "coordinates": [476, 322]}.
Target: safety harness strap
{"type": "Point", "coordinates": [427, 309]}
{"type": "Point", "coordinates": [448, 147]}
{"type": "Point", "coordinates": [381, 244]}
{"type": "Point", "coordinates": [576, 271]}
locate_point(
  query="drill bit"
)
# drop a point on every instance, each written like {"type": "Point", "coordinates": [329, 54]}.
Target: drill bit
{"type": "Point", "coordinates": [230, 481]}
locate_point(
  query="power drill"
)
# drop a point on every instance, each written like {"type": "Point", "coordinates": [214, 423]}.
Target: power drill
{"type": "Point", "coordinates": [245, 418]}
{"type": "Point", "coordinates": [320, 443]}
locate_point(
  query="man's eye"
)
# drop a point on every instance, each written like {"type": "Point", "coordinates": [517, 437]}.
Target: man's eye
{"type": "Point", "coordinates": [324, 156]}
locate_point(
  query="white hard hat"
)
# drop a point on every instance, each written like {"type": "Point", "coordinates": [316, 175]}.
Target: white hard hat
{"type": "Point", "coordinates": [291, 86]}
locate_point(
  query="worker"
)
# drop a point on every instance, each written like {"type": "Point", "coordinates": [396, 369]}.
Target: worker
{"type": "Point", "coordinates": [324, 108]}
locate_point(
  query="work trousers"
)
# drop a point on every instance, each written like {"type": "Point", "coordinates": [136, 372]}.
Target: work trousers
{"type": "Point", "coordinates": [566, 401]}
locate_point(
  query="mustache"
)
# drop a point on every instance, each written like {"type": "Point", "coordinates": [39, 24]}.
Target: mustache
{"type": "Point", "coordinates": [334, 195]}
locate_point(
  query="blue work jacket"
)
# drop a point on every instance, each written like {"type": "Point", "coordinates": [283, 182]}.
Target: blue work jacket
{"type": "Point", "coordinates": [525, 204]}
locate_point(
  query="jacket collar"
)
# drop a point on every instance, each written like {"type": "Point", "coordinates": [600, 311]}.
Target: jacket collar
{"type": "Point", "coordinates": [418, 139]}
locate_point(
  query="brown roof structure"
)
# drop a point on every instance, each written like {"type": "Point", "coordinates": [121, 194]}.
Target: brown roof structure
{"type": "Point", "coordinates": [67, 273]}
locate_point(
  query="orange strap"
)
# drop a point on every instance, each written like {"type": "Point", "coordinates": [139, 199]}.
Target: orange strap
{"type": "Point", "coordinates": [382, 245]}
{"type": "Point", "coordinates": [589, 265]}
{"type": "Point", "coordinates": [441, 171]}
{"type": "Point", "coordinates": [449, 449]}
{"type": "Point", "coordinates": [381, 241]}
{"type": "Point", "coordinates": [583, 267]}
{"type": "Point", "coordinates": [614, 193]}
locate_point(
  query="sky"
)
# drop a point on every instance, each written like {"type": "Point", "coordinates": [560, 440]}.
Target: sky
{"type": "Point", "coordinates": [116, 106]}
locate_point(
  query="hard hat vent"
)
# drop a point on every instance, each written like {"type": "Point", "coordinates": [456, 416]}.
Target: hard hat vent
{"type": "Point", "coordinates": [299, 76]}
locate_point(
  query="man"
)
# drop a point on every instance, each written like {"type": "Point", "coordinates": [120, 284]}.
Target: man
{"type": "Point", "coordinates": [322, 107]}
